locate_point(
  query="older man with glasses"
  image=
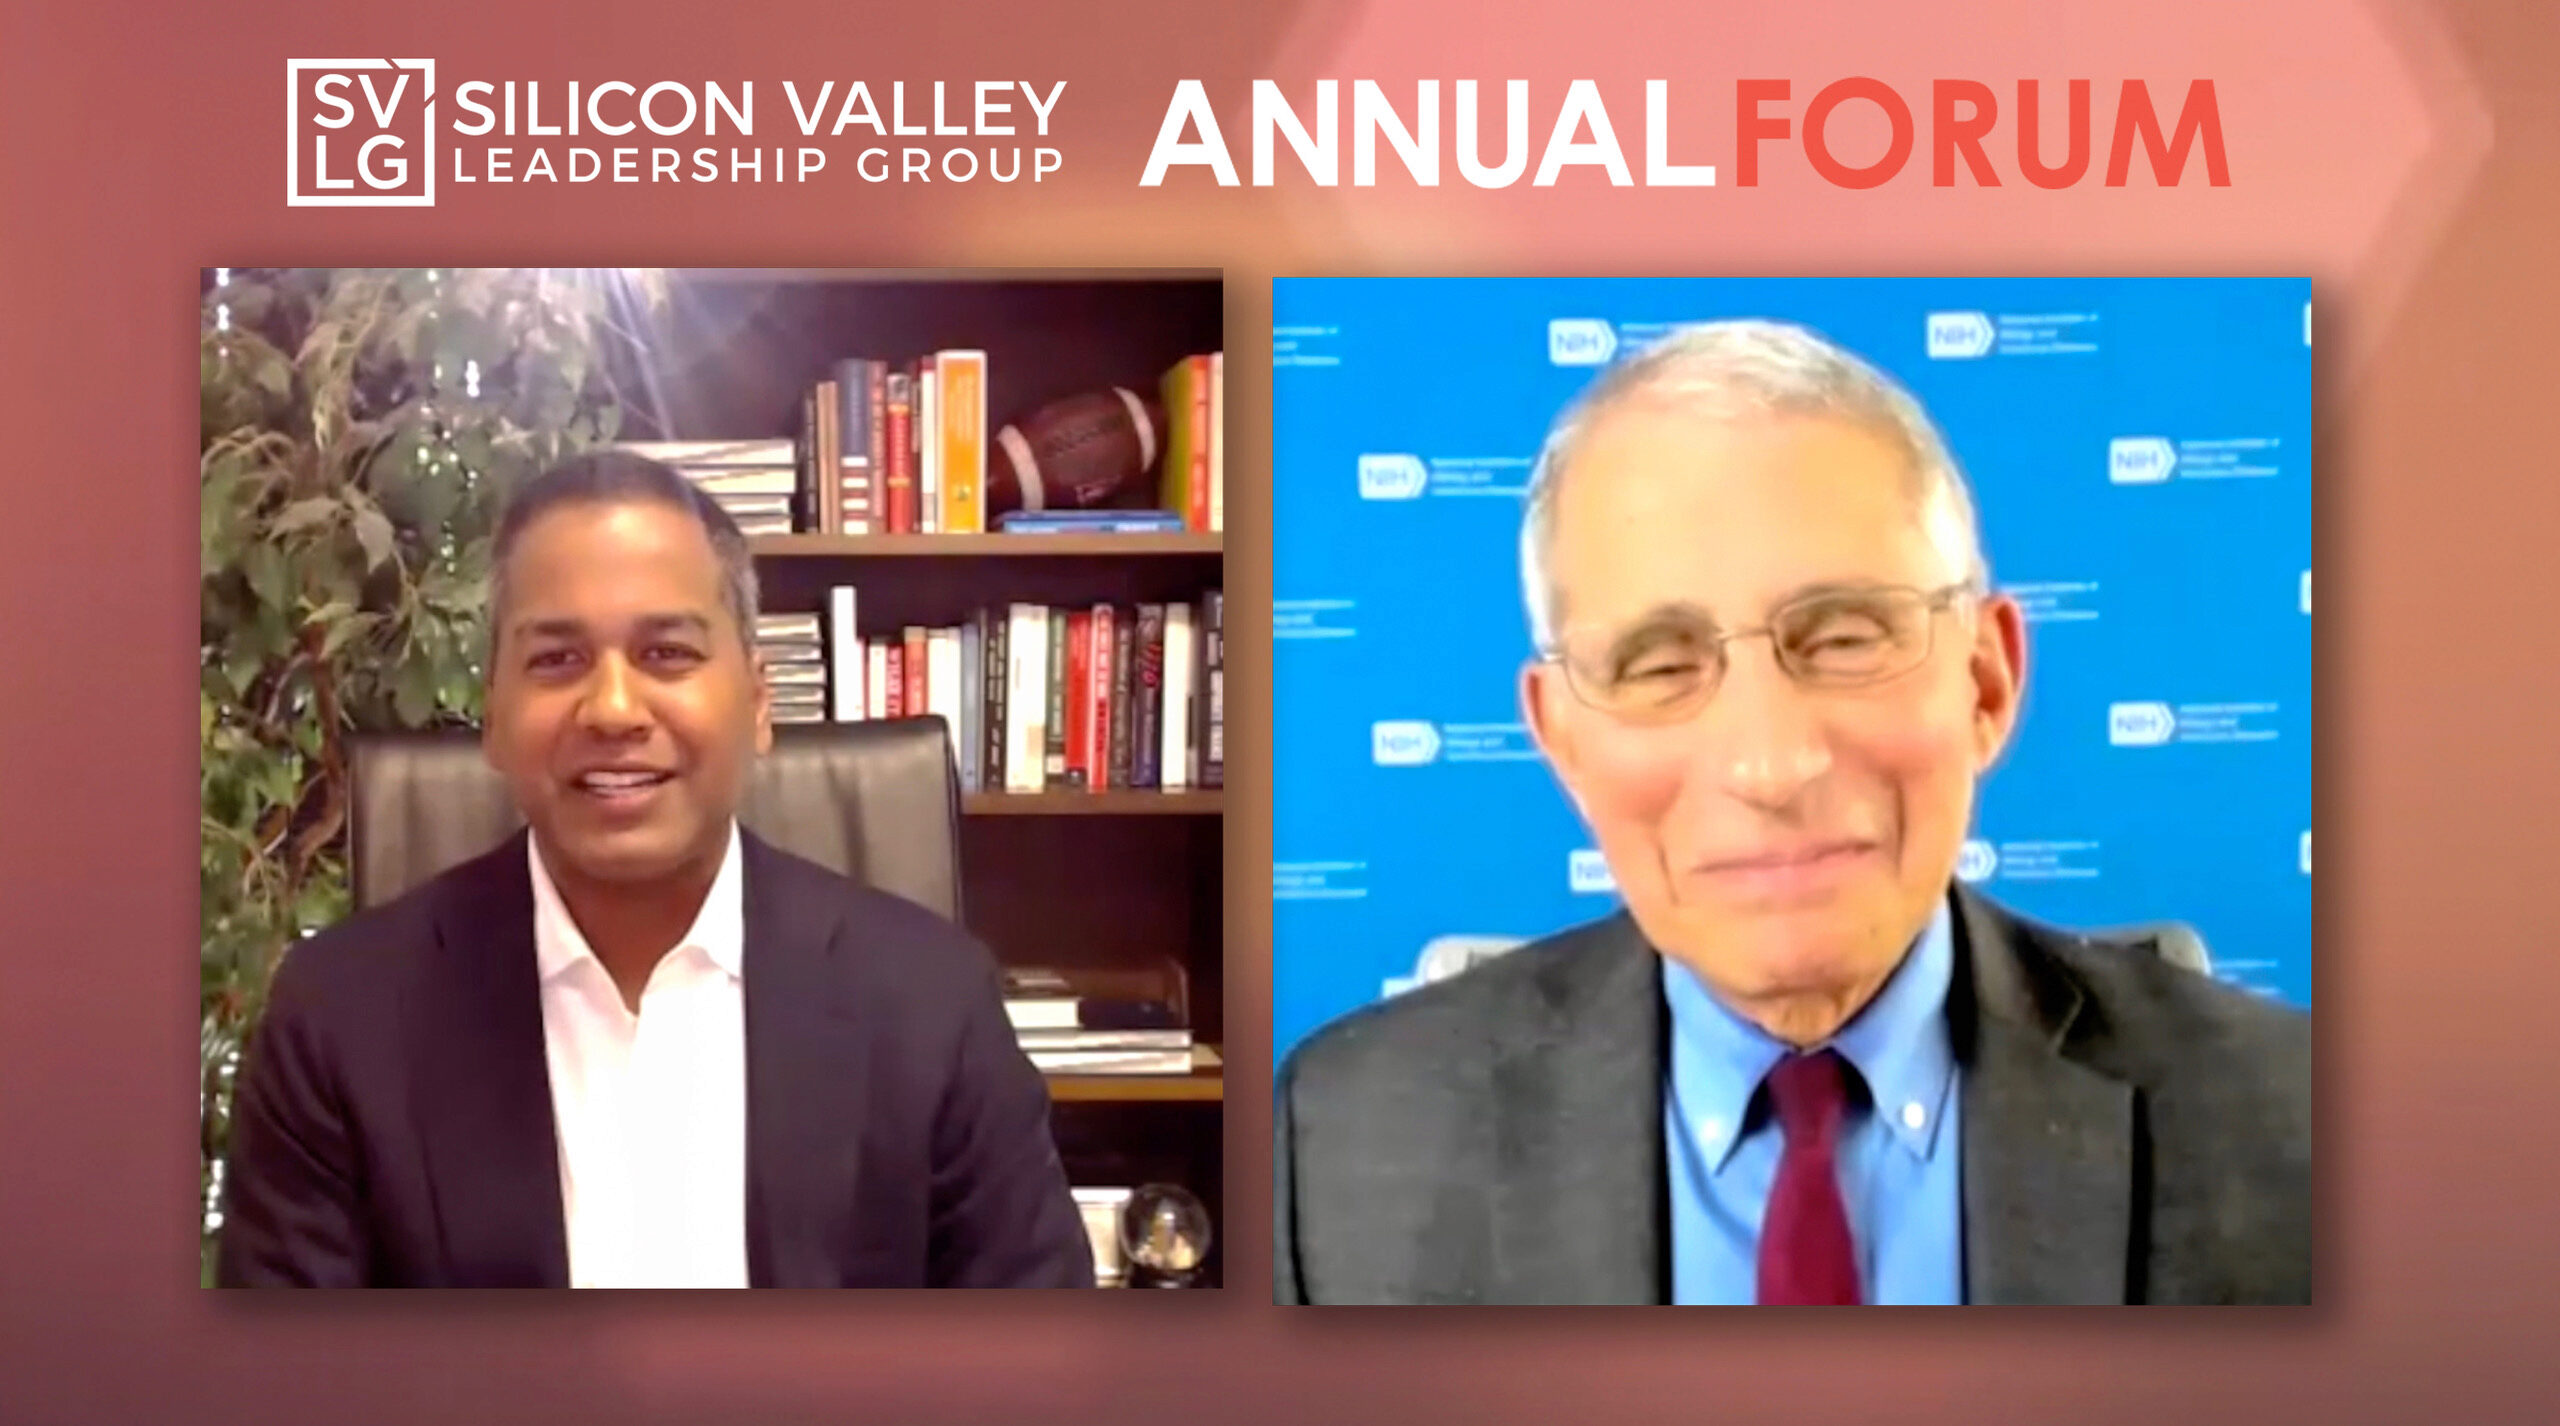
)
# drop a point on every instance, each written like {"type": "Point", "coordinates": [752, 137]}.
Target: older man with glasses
{"type": "Point", "coordinates": [1804, 1065]}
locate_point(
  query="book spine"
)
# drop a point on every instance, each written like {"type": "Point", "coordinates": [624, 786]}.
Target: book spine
{"type": "Point", "coordinates": [875, 405]}
{"type": "Point", "coordinates": [1053, 746]}
{"type": "Point", "coordinates": [961, 377]}
{"type": "Point", "coordinates": [844, 650]}
{"type": "Point", "coordinates": [1097, 734]}
{"type": "Point", "coordinates": [1079, 697]}
{"type": "Point", "coordinates": [852, 383]}
{"type": "Point", "coordinates": [875, 679]}
{"type": "Point", "coordinates": [942, 686]}
{"type": "Point", "coordinates": [992, 624]}
{"type": "Point", "coordinates": [1145, 743]}
{"type": "Point", "coordinates": [804, 465]}
{"type": "Point", "coordinates": [897, 677]}
{"type": "Point", "coordinates": [1174, 470]}
{"type": "Point", "coordinates": [1211, 735]}
{"type": "Point", "coordinates": [1174, 756]}
{"type": "Point", "coordinates": [1124, 672]}
{"type": "Point", "coordinates": [913, 691]}
{"type": "Point", "coordinates": [928, 448]}
{"type": "Point", "coordinates": [830, 461]}
{"type": "Point", "coordinates": [1217, 441]}
{"type": "Point", "coordinates": [900, 399]}
{"type": "Point", "coordinates": [964, 724]}
{"type": "Point", "coordinates": [1026, 675]}
{"type": "Point", "coordinates": [1196, 512]}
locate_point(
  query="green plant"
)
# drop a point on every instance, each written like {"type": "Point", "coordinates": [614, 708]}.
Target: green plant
{"type": "Point", "coordinates": [360, 431]}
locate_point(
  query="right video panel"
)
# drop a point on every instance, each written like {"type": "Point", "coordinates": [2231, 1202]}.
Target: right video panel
{"type": "Point", "coordinates": [1792, 790]}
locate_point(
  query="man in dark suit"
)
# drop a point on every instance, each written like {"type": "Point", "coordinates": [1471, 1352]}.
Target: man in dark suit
{"type": "Point", "coordinates": [1803, 1066]}
{"type": "Point", "coordinates": [635, 1045]}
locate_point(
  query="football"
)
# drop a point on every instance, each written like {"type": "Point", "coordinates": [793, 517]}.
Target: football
{"type": "Point", "coordinates": [1081, 452]}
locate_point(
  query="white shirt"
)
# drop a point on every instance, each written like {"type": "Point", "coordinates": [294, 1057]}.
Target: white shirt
{"type": "Point", "coordinates": [651, 1109]}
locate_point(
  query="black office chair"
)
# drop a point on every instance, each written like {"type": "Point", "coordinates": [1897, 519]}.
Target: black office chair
{"type": "Point", "coordinates": [877, 801]}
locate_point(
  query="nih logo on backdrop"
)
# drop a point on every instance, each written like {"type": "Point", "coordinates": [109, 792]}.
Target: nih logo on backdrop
{"type": "Point", "coordinates": [1403, 742]}
{"type": "Point", "coordinates": [1977, 860]}
{"type": "Point", "coordinates": [2140, 725]}
{"type": "Point", "coordinates": [1393, 477]}
{"type": "Point", "coordinates": [1960, 336]}
{"type": "Point", "coordinates": [1587, 873]}
{"type": "Point", "coordinates": [360, 133]}
{"type": "Point", "coordinates": [2141, 460]}
{"type": "Point", "coordinates": [1581, 341]}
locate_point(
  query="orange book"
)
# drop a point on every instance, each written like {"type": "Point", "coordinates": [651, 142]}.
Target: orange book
{"type": "Point", "coordinates": [1079, 698]}
{"type": "Point", "coordinates": [916, 693]}
{"type": "Point", "coordinates": [962, 413]}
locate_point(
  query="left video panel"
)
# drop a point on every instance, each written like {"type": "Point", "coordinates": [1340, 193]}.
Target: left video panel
{"type": "Point", "coordinates": [712, 778]}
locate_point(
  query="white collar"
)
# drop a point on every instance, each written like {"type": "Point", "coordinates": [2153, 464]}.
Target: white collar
{"type": "Point", "coordinates": [719, 929]}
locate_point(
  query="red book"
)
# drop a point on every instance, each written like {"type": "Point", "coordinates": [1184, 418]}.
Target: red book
{"type": "Point", "coordinates": [896, 696]}
{"type": "Point", "coordinates": [899, 484]}
{"type": "Point", "coordinates": [1079, 698]}
{"type": "Point", "coordinates": [1197, 517]}
{"type": "Point", "coordinates": [915, 689]}
{"type": "Point", "coordinates": [1097, 723]}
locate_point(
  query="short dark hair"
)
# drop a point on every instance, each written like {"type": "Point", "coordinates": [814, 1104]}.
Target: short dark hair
{"type": "Point", "coordinates": [617, 477]}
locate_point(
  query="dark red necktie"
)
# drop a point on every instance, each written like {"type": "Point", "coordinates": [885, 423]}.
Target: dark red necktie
{"type": "Point", "coordinates": [1806, 1257]}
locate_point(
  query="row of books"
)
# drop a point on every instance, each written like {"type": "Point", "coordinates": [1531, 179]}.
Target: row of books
{"type": "Point", "coordinates": [1037, 697]}
{"type": "Point", "coordinates": [1066, 1031]}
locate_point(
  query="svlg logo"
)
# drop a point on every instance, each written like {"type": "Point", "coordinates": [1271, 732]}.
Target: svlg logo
{"type": "Point", "coordinates": [1392, 477]}
{"type": "Point", "coordinates": [1403, 742]}
{"type": "Point", "coordinates": [360, 133]}
{"type": "Point", "coordinates": [1581, 341]}
{"type": "Point", "coordinates": [1959, 335]}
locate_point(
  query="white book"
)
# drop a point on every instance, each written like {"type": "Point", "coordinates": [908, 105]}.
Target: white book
{"type": "Point", "coordinates": [928, 456]}
{"type": "Point", "coordinates": [1217, 440]}
{"type": "Point", "coordinates": [1026, 698]}
{"type": "Point", "coordinates": [875, 678]}
{"type": "Point", "coordinates": [844, 649]}
{"type": "Point", "coordinates": [942, 686]}
{"type": "Point", "coordinates": [1173, 748]}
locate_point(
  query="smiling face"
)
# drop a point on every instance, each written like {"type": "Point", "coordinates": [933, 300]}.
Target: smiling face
{"type": "Point", "coordinates": [1781, 840]}
{"type": "Point", "coordinates": [624, 709]}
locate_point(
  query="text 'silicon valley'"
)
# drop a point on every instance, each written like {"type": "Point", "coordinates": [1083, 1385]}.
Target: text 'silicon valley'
{"type": "Point", "coordinates": [360, 133]}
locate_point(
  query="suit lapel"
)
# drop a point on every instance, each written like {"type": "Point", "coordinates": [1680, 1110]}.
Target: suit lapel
{"type": "Point", "coordinates": [806, 1079]}
{"type": "Point", "coordinates": [2048, 1140]}
{"type": "Point", "coordinates": [483, 1091]}
{"type": "Point", "coordinates": [1578, 1211]}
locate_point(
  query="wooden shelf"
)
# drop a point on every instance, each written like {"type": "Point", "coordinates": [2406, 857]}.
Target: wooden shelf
{"type": "Point", "coordinates": [976, 546]}
{"type": "Point", "coordinates": [1201, 1086]}
{"type": "Point", "coordinates": [1111, 803]}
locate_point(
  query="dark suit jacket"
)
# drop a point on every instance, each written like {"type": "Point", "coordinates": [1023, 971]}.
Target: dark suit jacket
{"type": "Point", "coordinates": [393, 1123]}
{"type": "Point", "coordinates": [2133, 1132]}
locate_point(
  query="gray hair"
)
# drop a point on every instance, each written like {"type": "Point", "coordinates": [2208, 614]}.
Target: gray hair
{"type": "Point", "coordinates": [617, 477]}
{"type": "Point", "coordinates": [1748, 368]}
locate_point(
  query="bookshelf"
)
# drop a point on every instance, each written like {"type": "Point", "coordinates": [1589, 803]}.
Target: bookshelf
{"type": "Point", "coordinates": [1114, 886]}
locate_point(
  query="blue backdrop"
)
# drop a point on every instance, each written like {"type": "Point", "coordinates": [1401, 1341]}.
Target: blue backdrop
{"type": "Point", "coordinates": [2140, 450]}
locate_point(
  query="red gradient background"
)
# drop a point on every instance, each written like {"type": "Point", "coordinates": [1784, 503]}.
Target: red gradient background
{"type": "Point", "coordinates": [2401, 152]}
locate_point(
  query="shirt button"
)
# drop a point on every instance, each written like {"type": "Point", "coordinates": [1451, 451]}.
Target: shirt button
{"type": "Point", "coordinates": [1913, 1116]}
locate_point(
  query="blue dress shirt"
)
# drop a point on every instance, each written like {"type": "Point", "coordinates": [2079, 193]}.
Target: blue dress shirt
{"type": "Point", "coordinates": [1898, 1152]}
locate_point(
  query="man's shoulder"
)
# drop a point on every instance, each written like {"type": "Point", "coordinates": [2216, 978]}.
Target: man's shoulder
{"type": "Point", "coordinates": [914, 941]}
{"type": "Point", "coordinates": [1450, 1024]}
{"type": "Point", "coordinates": [370, 954]}
{"type": "Point", "coordinates": [2161, 1024]}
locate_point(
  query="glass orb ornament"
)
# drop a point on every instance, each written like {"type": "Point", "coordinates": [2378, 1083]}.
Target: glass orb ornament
{"type": "Point", "coordinates": [1164, 1236]}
